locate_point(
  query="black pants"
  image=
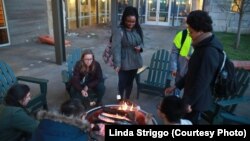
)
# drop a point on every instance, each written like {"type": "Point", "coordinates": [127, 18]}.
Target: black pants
{"type": "Point", "coordinates": [194, 117]}
{"type": "Point", "coordinates": [95, 94]}
{"type": "Point", "coordinates": [126, 79]}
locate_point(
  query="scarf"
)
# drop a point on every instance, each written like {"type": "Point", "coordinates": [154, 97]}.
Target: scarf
{"type": "Point", "coordinates": [201, 37]}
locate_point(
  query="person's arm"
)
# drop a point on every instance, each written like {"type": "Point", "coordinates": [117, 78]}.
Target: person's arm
{"type": "Point", "coordinates": [76, 78]}
{"type": "Point", "coordinates": [174, 59]}
{"type": "Point", "coordinates": [140, 47]}
{"type": "Point", "coordinates": [97, 77]}
{"type": "Point", "coordinates": [180, 84]}
{"type": "Point", "coordinates": [20, 120]}
{"type": "Point", "coordinates": [116, 47]}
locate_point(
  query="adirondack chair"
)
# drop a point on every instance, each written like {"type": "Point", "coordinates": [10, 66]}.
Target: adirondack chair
{"type": "Point", "coordinates": [229, 118]}
{"type": "Point", "coordinates": [157, 77]}
{"type": "Point", "coordinates": [71, 61]}
{"type": "Point", "coordinates": [224, 108]}
{"type": "Point", "coordinates": [8, 79]}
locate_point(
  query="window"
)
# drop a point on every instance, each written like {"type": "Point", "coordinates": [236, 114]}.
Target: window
{"type": "Point", "coordinates": [235, 6]}
{"type": "Point", "coordinates": [4, 33]}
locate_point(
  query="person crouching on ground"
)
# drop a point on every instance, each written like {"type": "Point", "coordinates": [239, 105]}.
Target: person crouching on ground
{"type": "Point", "coordinates": [15, 120]}
{"type": "Point", "coordinates": [87, 81]}
{"type": "Point", "coordinates": [171, 110]}
{"type": "Point", "coordinates": [68, 125]}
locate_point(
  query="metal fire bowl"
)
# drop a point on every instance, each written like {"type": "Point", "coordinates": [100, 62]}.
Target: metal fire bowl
{"type": "Point", "coordinates": [94, 113]}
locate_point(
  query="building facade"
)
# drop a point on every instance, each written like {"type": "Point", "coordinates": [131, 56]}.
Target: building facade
{"type": "Point", "coordinates": [81, 13]}
{"type": "Point", "coordinates": [24, 21]}
{"type": "Point", "coordinates": [225, 15]}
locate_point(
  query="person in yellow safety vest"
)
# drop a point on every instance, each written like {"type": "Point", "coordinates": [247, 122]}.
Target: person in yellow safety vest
{"type": "Point", "coordinates": [179, 57]}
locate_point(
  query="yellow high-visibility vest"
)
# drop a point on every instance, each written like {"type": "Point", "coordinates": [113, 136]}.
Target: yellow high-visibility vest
{"type": "Point", "coordinates": [186, 45]}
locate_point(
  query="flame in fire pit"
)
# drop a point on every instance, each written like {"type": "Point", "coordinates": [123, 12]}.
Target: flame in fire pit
{"type": "Point", "coordinates": [126, 107]}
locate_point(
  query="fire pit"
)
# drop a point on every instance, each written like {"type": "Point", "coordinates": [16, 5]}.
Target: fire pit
{"type": "Point", "coordinates": [119, 114]}
{"type": "Point", "coordinates": [122, 114]}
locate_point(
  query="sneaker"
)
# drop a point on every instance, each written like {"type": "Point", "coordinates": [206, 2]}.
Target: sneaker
{"type": "Point", "coordinates": [118, 97]}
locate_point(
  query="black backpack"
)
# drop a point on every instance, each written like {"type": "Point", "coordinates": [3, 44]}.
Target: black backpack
{"type": "Point", "coordinates": [226, 83]}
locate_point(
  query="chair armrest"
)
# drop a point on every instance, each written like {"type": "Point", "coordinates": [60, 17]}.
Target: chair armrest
{"type": "Point", "coordinates": [139, 72]}
{"type": "Point", "coordinates": [32, 79]}
{"type": "Point", "coordinates": [234, 118]}
{"type": "Point", "coordinates": [42, 82]}
{"type": "Point", "coordinates": [224, 103]}
{"type": "Point", "coordinates": [142, 69]}
{"type": "Point", "coordinates": [65, 76]}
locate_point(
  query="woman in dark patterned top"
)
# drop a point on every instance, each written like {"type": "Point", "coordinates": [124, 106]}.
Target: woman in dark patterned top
{"type": "Point", "coordinates": [87, 81]}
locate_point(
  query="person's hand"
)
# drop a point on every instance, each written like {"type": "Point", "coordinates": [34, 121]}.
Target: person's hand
{"type": "Point", "coordinates": [189, 109]}
{"type": "Point", "coordinates": [117, 69]}
{"type": "Point", "coordinates": [169, 90]}
{"type": "Point", "coordinates": [137, 49]}
{"type": "Point", "coordinates": [84, 93]}
{"type": "Point", "coordinates": [86, 88]}
{"type": "Point", "coordinates": [174, 73]}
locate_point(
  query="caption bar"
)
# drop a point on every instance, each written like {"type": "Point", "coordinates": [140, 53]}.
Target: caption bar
{"type": "Point", "coordinates": [166, 131]}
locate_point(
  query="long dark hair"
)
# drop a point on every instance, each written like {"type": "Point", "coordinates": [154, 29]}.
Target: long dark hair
{"type": "Point", "coordinates": [132, 11]}
{"type": "Point", "coordinates": [16, 93]}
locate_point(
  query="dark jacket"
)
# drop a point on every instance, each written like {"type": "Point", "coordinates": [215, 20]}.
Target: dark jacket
{"type": "Point", "coordinates": [57, 127]}
{"type": "Point", "coordinates": [15, 123]}
{"type": "Point", "coordinates": [202, 69]}
{"type": "Point", "coordinates": [91, 80]}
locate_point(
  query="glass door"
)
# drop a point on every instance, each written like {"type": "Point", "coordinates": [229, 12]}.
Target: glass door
{"type": "Point", "coordinates": [4, 32]}
{"type": "Point", "coordinates": [87, 12]}
{"type": "Point", "coordinates": [104, 10]}
{"type": "Point", "coordinates": [157, 12]}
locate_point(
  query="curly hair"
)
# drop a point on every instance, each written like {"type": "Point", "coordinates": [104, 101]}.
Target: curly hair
{"type": "Point", "coordinates": [200, 21]}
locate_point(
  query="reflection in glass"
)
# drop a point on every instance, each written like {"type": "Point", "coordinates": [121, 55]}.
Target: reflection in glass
{"type": "Point", "coordinates": [2, 19]}
{"type": "Point", "coordinates": [3, 36]}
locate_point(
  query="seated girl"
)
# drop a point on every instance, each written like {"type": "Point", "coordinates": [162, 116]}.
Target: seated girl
{"type": "Point", "coordinates": [87, 81]}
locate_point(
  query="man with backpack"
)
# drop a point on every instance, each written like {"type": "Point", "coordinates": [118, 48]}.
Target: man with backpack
{"type": "Point", "coordinates": [180, 54]}
{"type": "Point", "coordinates": [203, 66]}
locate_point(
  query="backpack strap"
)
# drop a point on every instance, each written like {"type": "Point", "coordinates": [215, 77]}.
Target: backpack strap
{"type": "Point", "coordinates": [224, 57]}
{"type": "Point", "coordinates": [224, 60]}
{"type": "Point", "coordinates": [183, 37]}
